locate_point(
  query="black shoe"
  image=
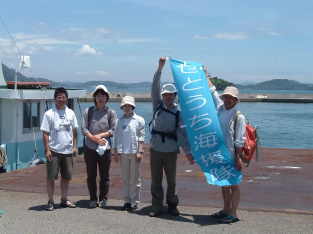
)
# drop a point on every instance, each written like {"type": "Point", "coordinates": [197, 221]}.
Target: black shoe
{"type": "Point", "coordinates": [229, 219]}
{"type": "Point", "coordinates": [126, 206]}
{"type": "Point", "coordinates": [133, 208]}
{"type": "Point", "coordinates": [219, 215]}
{"type": "Point", "coordinates": [155, 213]}
{"type": "Point", "coordinates": [172, 210]}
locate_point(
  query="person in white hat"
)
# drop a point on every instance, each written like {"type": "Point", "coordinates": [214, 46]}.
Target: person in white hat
{"type": "Point", "coordinates": [129, 138]}
{"type": "Point", "coordinates": [167, 136]}
{"type": "Point", "coordinates": [226, 105]}
{"type": "Point", "coordinates": [98, 126]}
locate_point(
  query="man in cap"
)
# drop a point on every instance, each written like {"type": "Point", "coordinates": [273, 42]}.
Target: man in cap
{"type": "Point", "coordinates": [129, 137]}
{"type": "Point", "coordinates": [98, 127]}
{"type": "Point", "coordinates": [233, 126]}
{"type": "Point", "coordinates": [166, 137]}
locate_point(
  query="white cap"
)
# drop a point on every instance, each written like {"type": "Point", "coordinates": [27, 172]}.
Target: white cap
{"type": "Point", "coordinates": [168, 88]}
{"type": "Point", "coordinates": [101, 87]}
{"type": "Point", "coordinates": [232, 91]}
{"type": "Point", "coordinates": [128, 100]}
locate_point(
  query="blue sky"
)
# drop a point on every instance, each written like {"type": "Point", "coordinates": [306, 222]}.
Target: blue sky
{"type": "Point", "coordinates": [121, 40]}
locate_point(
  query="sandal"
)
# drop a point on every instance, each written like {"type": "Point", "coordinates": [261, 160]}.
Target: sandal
{"type": "Point", "coordinates": [229, 219]}
{"type": "Point", "coordinates": [67, 203]}
{"type": "Point", "coordinates": [219, 215]}
{"type": "Point", "coordinates": [50, 206]}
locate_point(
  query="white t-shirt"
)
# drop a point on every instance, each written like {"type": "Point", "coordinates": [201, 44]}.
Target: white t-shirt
{"type": "Point", "coordinates": [59, 124]}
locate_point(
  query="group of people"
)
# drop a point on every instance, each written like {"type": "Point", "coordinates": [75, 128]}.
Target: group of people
{"type": "Point", "coordinates": [122, 139]}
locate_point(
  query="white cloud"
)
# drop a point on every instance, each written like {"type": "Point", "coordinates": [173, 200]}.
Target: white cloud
{"type": "Point", "coordinates": [81, 73]}
{"type": "Point", "coordinates": [231, 36]}
{"type": "Point", "coordinates": [92, 35]}
{"type": "Point", "coordinates": [201, 37]}
{"type": "Point", "coordinates": [87, 50]}
{"type": "Point", "coordinates": [98, 73]}
{"type": "Point", "coordinates": [224, 36]}
{"type": "Point", "coordinates": [268, 31]}
{"type": "Point", "coordinates": [31, 43]}
{"type": "Point", "coordinates": [274, 34]}
{"type": "Point", "coordinates": [136, 40]}
{"type": "Point", "coordinates": [103, 30]}
{"type": "Point", "coordinates": [102, 73]}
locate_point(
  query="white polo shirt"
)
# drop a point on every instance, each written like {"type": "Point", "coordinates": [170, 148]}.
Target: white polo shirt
{"type": "Point", "coordinates": [60, 124]}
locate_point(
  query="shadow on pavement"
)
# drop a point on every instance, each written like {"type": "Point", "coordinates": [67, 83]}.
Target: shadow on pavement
{"type": "Point", "coordinates": [38, 208]}
{"type": "Point", "coordinates": [82, 204]}
{"type": "Point", "coordinates": [85, 204]}
{"type": "Point", "coordinates": [202, 220]}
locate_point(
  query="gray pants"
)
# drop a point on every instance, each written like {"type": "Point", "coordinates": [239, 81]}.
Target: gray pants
{"type": "Point", "coordinates": [160, 161]}
{"type": "Point", "coordinates": [130, 168]}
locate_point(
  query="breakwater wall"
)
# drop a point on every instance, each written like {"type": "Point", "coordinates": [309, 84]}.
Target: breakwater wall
{"type": "Point", "coordinates": [282, 98]}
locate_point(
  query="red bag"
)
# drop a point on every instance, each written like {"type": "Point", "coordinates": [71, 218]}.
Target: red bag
{"type": "Point", "coordinates": [250, 147]}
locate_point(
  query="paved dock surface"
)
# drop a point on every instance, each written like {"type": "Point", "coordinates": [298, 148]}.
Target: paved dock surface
{"type": "Point", "coordinates": [25, 214]}
{"type": "Point", "coordinates": [277, 197]}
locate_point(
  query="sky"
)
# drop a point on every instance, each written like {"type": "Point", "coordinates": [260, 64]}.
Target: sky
{"type": "Point", "coordinates": [242, 41]}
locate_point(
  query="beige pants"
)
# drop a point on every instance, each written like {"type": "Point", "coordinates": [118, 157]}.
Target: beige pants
{"type": "Point", "coordinates": [130, 168]}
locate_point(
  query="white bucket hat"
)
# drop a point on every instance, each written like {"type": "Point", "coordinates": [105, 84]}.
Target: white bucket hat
{"type": "Point", "coordinates": [128, 100]}
{"type": "Point", "coordinates": [101, 87]}
{"type": "Point", "coordinates": [232, 91]}
{"type": "Point", "coordinates": [168, 88]}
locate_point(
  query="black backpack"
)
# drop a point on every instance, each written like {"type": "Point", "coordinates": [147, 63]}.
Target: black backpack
{"type": "Point", "coordinates": [172, 135]}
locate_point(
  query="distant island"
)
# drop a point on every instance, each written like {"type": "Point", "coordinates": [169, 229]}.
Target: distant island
{"type": "Point", "coordinates": [144, 87]}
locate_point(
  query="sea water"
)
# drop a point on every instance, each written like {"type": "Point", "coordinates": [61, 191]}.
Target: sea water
{"type": "Point", "coordinates": [280, 125]}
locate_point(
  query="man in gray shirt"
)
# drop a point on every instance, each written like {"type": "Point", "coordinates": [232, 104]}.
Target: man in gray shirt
{"type": "Point", "coordinates": [166, 137]}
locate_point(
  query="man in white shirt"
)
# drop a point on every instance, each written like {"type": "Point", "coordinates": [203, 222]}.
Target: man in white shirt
{"type": "Point", "coordinates": [59, 127]}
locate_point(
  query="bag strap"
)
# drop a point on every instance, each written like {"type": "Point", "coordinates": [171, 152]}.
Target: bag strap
{"type": "Point", "coordinates": [160, 107]}
{"type": "Point", "coordinates": [89, 115]}
{"type": "Point", "coordinates": [235, 122]}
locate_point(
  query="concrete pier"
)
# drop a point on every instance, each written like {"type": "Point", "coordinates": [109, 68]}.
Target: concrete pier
{"type": "Point", "coordinates": [283, 98]}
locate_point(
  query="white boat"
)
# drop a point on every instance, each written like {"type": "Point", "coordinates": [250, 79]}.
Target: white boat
{"type": "Point", "coordinates": [21, 112]}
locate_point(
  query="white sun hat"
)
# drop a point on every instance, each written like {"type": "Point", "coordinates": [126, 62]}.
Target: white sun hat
{"type": "Point", "coordinates": [232, 91]}
{"type": "Point", "coordinates": [103, 88]}
{"type": "Point", "coordinates": [168, 88]}
{"type": "Point", "coordinates": [128, 100]}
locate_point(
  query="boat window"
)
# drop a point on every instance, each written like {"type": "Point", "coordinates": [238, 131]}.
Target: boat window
{"type": "Point", "coordinates": [31, 115]}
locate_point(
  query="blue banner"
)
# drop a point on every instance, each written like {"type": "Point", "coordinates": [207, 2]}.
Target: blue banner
{"type": "Point", "coordinates": [202, 124]}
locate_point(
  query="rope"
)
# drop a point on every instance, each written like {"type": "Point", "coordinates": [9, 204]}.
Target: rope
{"type": "Point", "coordinates": [11, 37]}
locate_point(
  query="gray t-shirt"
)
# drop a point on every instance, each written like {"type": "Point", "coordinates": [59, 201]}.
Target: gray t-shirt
{"type": "Point", "coordinates": [102, 120]}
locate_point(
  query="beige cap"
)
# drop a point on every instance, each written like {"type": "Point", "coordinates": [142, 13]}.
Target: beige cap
{"type": "Point", "coordinates": [232, 91]}
{"type": "Point", "coordinates": [168, 88]}
{"type": "Point", "coordinates": [128, 100]}
{"type": "Point", "coordinates": [101, 87]}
